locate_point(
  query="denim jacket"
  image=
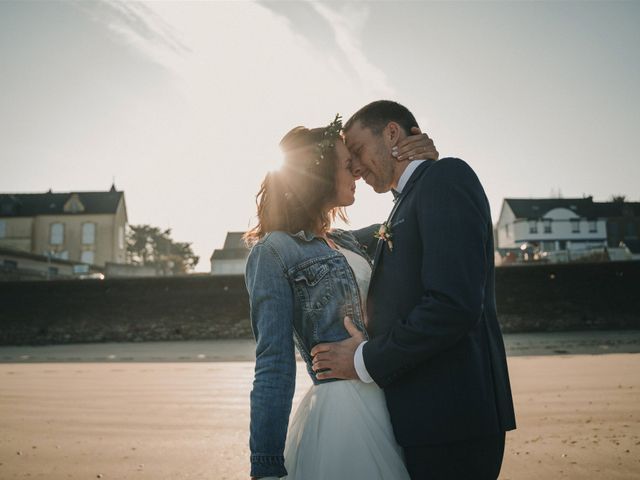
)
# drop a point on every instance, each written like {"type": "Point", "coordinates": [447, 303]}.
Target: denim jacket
{"type": "Point", "coordinates": [299, 293]}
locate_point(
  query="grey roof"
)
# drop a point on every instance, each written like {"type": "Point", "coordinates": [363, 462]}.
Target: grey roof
{"type": "Point", "coordinates": [234, 240]}
{"type": "Point", "coordinates": [534, 208]}
{"type": "Point", "coordinates": [617, 209]}
{"type": "Point", "coordinates": [230, 254]}
{"type": "Point", "coordinates": [32, 204]}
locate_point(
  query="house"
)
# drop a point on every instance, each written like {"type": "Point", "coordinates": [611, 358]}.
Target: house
{"type": "Point", "coordinates": [80, 227]}
{"type": "Point", "coordinates": [552, 223]}
{"type": "Point", "coordinates": [231, 259]}
{"type": "Point", "coordinates": [623, 222]}
{"type": "Point", "coordinates": [18, 265]}
{"type": "Point", "coordinates": [567, 225]}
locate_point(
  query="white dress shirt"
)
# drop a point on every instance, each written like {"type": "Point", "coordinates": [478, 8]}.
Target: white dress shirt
{"type": "Point", "coordinates": [358, 359]}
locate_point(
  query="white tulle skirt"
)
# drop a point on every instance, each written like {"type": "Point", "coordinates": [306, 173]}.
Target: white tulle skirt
{"type": "Point", "coordinates": [341, 430]}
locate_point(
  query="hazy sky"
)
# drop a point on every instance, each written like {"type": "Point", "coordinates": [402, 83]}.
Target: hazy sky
{"type": "Point", "coordinates": [184, 103]}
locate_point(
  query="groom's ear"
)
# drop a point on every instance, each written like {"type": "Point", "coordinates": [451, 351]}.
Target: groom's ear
{"type": "Point", "coordinates": [392, 132]}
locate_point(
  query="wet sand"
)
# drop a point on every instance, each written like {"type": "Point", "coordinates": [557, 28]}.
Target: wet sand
{"type": "Point", "coordinates": [579, 417]}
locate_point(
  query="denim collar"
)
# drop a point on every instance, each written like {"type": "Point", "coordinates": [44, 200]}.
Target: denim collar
{"type": "Point", "coordinates": [310, 236]}
{"type": "Point", "coordinates": [304, 235]}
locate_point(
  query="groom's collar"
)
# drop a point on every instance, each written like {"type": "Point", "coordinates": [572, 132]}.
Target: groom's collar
{"type": "Point", "coordinates": [406, 175]}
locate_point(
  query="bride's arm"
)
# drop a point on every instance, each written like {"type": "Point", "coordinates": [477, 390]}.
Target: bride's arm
{"type": "Point", "coordinates": [417, 146]}
{"type": "Point", "coordinates": [365, 237]}
{"type": "Point", "coordinates": [271, 307]}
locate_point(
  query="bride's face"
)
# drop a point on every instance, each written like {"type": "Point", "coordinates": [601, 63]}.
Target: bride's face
{"type": "Point", "coordinates": [345, 181]}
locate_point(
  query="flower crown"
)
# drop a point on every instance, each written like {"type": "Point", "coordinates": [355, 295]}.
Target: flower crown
{"type": "Point", "coordinates": [331, 133]}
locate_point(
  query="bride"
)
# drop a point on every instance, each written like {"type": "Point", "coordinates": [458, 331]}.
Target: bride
{"type": "Point", "coordinates": [307, 283]}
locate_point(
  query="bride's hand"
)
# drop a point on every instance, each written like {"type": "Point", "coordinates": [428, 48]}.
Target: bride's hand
{"type": "Point", "coordinates": [418, 146]}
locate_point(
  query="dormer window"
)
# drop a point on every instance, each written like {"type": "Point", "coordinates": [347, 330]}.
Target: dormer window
{"type": "Point", "coordinates": [547, 225]}
{"type": "Point", "coordinates": [533, 226]}
{"type": "Point", "coordinates": [74, 205]}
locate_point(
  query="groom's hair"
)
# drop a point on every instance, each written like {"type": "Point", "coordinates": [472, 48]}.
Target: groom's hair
{"type": "Point", "coordinates": [377, 115]}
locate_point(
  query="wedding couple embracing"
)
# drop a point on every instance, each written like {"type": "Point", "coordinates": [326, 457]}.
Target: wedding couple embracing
{"type": "Point", "coordinates": [396, 322]}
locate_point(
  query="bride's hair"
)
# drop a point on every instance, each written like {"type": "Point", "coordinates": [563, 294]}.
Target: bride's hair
{"type": "Point", "coordinates": [296, 196]}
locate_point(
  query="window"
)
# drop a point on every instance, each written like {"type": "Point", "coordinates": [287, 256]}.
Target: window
{"type": "Point", "coordinates": [88, 233]}
{"type": "Point", "coordinates": [575, 225]}
{"type": "Point", "coordinates": [53, 271]}
{"type": "Point", "coordinates": [56, 234]}
{"type": "Point", "coordinates": [79, 268]}
{"type": "Point", "coordinates": [120, 237]}
{"type": "Point", "coordinates": [87, 257]}
{"type": "Point", "coordinates": [547, 225]}
{"type": "Point", "coordinates": [3, 228]}
{"type": "Point", "coordinates": [593, 226]}
{"type": "Point", "coordinates": [506, 230]}
{"type": "Point", "coordinates": [548, 246]}
{"type": "Point", "coordinates": [533, 226]}
{"type": "Point", "coordinates": [74, 205]}
{"type": "Point", "coordinates": [631, 230]}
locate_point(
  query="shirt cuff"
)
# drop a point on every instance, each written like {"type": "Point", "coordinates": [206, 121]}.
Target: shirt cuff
{"type": "Point", "coordinates": [358, 363]}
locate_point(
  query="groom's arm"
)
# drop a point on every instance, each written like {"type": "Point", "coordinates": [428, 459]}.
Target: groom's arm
{"type": "Point", "coordinates": [453, 219]}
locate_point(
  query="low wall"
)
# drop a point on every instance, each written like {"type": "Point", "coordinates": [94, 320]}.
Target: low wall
{"type": "Point", "coordinates": [530, 298]}
{"type": "Point", "coordinates": [119, 310]}
{"type": "Point", "coordinates": [574, 296]}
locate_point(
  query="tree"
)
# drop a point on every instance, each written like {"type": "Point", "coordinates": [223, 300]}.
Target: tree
{"type": "Point", "coordinates": [150, 246]}
{"type": "Point", "coordinates": [618, 198]}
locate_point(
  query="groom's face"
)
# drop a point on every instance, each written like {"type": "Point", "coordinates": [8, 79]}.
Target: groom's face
{"type": "Point", "coordinates": [371, 157]}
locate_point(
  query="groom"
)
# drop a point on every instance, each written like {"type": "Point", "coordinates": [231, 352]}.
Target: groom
{"type": "Point", "coordinates": [435, 344]}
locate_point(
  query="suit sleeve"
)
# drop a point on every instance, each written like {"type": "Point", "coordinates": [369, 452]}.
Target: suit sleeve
{"type": "Point", "coordinates": [271, 307]}
{"type": "Point", "coordinates": [453, 220]}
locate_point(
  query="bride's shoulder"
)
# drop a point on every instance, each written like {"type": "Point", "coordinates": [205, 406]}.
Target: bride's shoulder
{"type": "Point", "coordinates": [276, 239]}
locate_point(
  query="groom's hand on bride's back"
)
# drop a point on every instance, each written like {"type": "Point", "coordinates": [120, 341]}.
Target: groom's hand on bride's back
{"type": "Point", "coordinates": [335, 360]}
{"type": "Point", "coordinates": [417, 146]}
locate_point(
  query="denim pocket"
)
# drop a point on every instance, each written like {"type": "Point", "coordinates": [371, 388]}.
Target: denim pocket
{"type": "Point", "coordinates": [313, 285]}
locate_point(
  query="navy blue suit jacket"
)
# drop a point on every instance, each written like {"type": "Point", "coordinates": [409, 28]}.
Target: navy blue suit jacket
{"type": "Point", "coordinates": [436, 347]}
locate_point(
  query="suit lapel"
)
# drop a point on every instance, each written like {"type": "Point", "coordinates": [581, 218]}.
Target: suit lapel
{"type": "Point", "coordinates": [407, 188]}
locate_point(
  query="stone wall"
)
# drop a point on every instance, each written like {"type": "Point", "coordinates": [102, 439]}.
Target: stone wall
{"type": "Point", "coordinates": [120, 310]}
{"type": "Point", "coordinates": [530, 298]}
{"type": "Point", "coordinates": [574, 296]}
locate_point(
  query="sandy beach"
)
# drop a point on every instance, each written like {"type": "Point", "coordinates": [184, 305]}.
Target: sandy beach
{"type": "Point", "coordinates": [578, 417]}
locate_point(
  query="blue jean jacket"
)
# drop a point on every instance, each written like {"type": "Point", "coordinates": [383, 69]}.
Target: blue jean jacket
{"type": "Point", "coordinates": [299, 293]}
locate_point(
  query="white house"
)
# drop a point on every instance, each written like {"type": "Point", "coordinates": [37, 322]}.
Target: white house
{"type": "Point", "coordinates": [552, 224]}
{"type": "Point", "coordinates": [232, 258]}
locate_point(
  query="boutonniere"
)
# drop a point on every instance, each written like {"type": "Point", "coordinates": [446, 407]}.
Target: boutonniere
{"type": "Point", "coordinates": [385, 234]}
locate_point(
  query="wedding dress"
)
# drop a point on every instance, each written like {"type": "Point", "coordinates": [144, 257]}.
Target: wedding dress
{"type": "Point", "coordinates": [342, 430]}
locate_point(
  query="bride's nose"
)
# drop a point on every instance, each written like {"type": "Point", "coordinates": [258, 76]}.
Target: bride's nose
{"type": "Point", "coordinates": [356, 170]}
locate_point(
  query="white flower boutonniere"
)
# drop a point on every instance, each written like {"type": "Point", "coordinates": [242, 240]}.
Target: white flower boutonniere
{"type": "Point", "coordinates": [385, 234]}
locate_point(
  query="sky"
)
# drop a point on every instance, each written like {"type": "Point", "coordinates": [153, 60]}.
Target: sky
{"type": "Point", "coordinates": [184, 103]}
